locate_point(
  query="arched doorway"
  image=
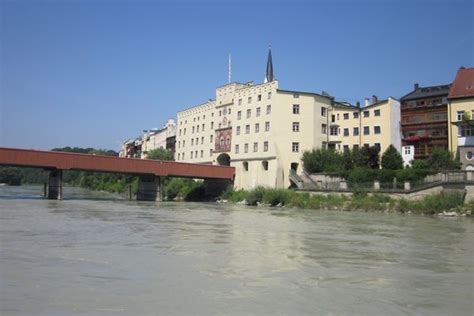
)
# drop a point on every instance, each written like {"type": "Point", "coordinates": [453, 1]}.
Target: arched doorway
{"type": "Point", "coordinates": [223, 160]}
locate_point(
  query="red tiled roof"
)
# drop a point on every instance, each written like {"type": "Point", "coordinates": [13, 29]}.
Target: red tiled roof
{"type": "Point", "coordinates": [463, 84]}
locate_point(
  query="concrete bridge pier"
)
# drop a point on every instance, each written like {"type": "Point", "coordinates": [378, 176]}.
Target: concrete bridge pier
{"type": "Point", "coordinates": [149, 188]}
{"type": "Point", "coordinates": [55, 184]}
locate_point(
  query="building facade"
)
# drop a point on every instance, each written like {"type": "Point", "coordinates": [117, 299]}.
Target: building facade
{"type": "Point", "coordinates": [461, 117]}
{"type": "Point", "coordinates": [424, 118]}
{"type": "Point", "coordinates": [262, 130]}
{"type": "Point", "coordinates": [376, 124]}
{"type": "Point", "coordinates": [155, 138]}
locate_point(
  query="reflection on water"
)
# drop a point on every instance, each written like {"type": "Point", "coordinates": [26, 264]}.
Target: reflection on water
{"type": "Point", "coordinates": [108, 256]}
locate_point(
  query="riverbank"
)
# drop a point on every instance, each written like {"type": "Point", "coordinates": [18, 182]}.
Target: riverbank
{"type": "Point", "coordinates": [443, 204]}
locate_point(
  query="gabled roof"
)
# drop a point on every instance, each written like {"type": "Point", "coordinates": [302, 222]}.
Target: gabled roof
{"type": "Point", "coordinates": [427, 92]}
{"type": "Point", "coordinates": [463, 84]}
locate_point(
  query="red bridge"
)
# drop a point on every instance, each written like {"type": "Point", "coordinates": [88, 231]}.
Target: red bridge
{"type": "Point", "coordinates": [149, 171]}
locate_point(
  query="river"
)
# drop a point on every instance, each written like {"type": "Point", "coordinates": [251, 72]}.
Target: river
{"type": "Point", "coordinates": [94, 254]}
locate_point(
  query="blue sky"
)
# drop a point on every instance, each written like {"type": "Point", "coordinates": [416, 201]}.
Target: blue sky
{"type": "Point", "coordinates": [92, 73]}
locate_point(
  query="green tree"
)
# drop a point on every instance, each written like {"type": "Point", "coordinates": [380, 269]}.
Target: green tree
{"type": "Point", "coordinates": [322, 160]}
{"type": "Point", "coordinates": [442, 159]}
{"type": "Point", "coordinates": [160, 154]}
{"type": "Point", "coordinates": [391, 159]}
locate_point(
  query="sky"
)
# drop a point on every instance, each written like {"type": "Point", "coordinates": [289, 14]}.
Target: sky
{"type": "Point", "coordinates": [93, 73]}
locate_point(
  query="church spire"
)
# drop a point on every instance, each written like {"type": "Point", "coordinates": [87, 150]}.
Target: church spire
{"type": "Point", "coordinates": [269, 73]}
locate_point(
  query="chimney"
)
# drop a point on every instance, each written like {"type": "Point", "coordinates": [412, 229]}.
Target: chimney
{"type": "Point", "coordinates": [375, 99]}
{"type": "Point", "coordinates": [416, 86]}
{"type": "Point", "coordinates": [367, 102]}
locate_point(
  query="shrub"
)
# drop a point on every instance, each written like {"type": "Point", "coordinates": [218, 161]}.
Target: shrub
{"type": "Point", "coordinates": [276, 196]}
{"type": "Point", "coordinates": [160, 154]}
{"type": "Point", "coordinates": [255, 196]}
{"type": "Point", "coordinates": [391, 159]}
{"type": "Point", "coordinates": [321, 160]}
{"type": "Point", "coordinates": [234, 195]}
{"type": "Point", "coordinates": [442, 159]}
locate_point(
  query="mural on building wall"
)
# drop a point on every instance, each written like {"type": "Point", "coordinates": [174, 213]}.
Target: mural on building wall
{"type": "Point", "coordinates": [223, 139]}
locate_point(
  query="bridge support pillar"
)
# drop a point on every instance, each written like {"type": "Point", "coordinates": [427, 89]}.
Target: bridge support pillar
{"type": "Point", "coordinates": [149, 188]}
{"type": "Point", "coordinates": [55, 185]}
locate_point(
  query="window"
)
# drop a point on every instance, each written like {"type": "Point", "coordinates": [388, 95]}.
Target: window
{"type": "Point", "coordinates": [246, 165]}
{"type": "Point", "coordinates": [296, 126]}
{"type": "Point", "coordinates": [257, 127]}
{"type": "Point", "coordinates": [469, 155]}
{"type": "Point", "coordinates": [212, 137]}
{"type": "Point", "coordinates": [296, 109]}
{"type": "Point", "coordinates": [221, 141]}
{"type": "Point", "coordinates": [202, 140]}
{"type": "Point", "coordinates": [237, 130]}
{"type": "Point", "coordinates": [204, 117]}
{"type": "Point", "coordinates": [355, 131]}
{"type": "Point", "coordinates": [229, 111]}
{"type": "Point", "coordinates": [246, 148]}
{"type": "Point", "coordinates": [179, 155]}
{"type": "Point", "coordinates": [324, 128]}
{"type": "Point", "coordinates": [466, 131]}
{"type": "Point", "coordinates": [179, 132]}
{"type": "Point", "coordinates": [258, 112]}
{"type": "Point", "coordinates": [192, 141]}
{"type": "Point", "coordinates": [338, 116]}
{"type": "Point", "coordinates": [210, 152]}
{"type": "Point", "coordinates": [202, 128]}
{"type": "Point", "coordinates": [236, 149]}
{"type": "Point", "coordinates": [212, 125]}
{"type": "Point", "coordinates": [265, 165]}
{"type": "Point", "coordinates": [239, 115]}
{"type": "Point", "coordinates": [240, 101]}
{"type": "Point", "coordinates": [193, 130]}
{"type": "Point", "coordinates": [407, 150]}
{"type": "Point", "coordinates": [333, 118]}
{"type": "Point", "coordinates": [346, 116]}
{"type": "Point", "coordinates": [376, 112]}
{"type": "Point", "coordinates": [355, 147]}
{"type": "Point", "coordinates": [296, 95]}
{"type": "Point", "coordinates": [249, 100]}
{"type": "Point", "coordinates": [265, 146]}
{"type": "Point", "coordinates": [249, 113]}
{"type": "Point", "coordinates": [247, 129]}
{"type": "Point", "coordinates": [355, 115]}
{"type": "Point", "coordinates": [267, 126]}
{"type": "Point", "coordinates": [460, 115]}
{"type": "Point", "coordinates": [182, 156]}
{"type": "Point", "coordinates": [220, 113]}
{"type": "Point", "coordinates": [183, 144]}
{"type": "Point", "coordinates": [346, 148]}
{"type": "Point", "coordinates": [227, 141]}
{"type": "Point", "coordinates": [269, 109]}
{"type": "Point", "coordinates": [333, 131]}
{"type": "Point", "coordinates": [346, 132]}
{"type": "Point", "coordinates": [255, 147]}
{"type": "Point", "coordinates": [197, 129]}
{"type": "Point", "coordinates": [366, 113]}
{"type": "Point", "coordinates": [376, 129]}
{"type": "Point", "coordinates": [323, 111]}
{"type": "Point", "coordinates": [295, 147]}
{"type": "Point", "coordinates": [191, 155]}
{"type": "Point", "coordinates": [377, 145]}
{"type": "Point", "coordinates": [202, 153]}
{"type": "Point", "coordinates": [366, 130]}
{"type": "Point", "coordinates": [259, 97]}
{"type": "Point", "coordinates": [269, 96]}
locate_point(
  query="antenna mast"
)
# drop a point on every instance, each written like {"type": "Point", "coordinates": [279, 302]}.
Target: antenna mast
{"type": "Point", "coordinates": [230, 69]}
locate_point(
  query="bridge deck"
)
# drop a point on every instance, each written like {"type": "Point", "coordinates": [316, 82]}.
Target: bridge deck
{"type": "Point", "coordinates": [85, 162]}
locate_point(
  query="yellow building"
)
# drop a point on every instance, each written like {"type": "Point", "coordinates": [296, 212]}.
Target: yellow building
{"type": "Point", "coordinates": [262, 130]}
{"type": "Point", "coordinates": [460, 117]}
{"type": "Point", "coordinates": [375, 124]}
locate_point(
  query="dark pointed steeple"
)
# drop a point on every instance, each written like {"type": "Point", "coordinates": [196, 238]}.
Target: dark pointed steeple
{"type": "Point", "coordinates": [269, 73]}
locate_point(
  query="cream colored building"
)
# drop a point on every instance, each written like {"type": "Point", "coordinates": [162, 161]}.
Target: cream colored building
{"type": "Point", "coordinates": [461, 117]}
{"type": "Point", "coordinates": [262, 130]}
{"type": "Point", "coordinates": [156, 138]}
{"type": "Point", "coordinates": [375, 124]}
